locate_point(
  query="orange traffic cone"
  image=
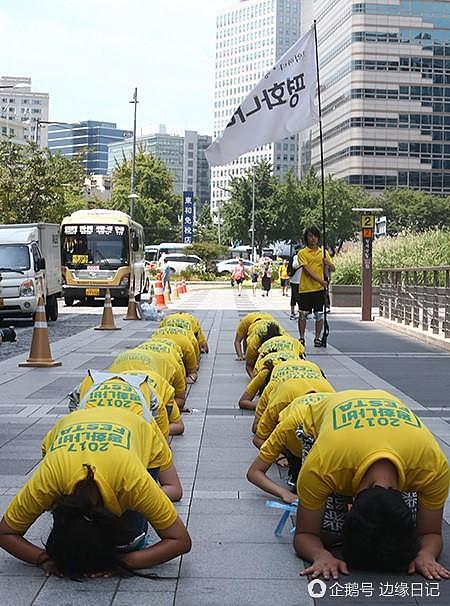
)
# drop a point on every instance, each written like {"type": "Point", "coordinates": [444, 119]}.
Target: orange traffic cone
{"type": "Point", "coordinates": [40, 354]}
{"type": "Point", "coordinates": [178, 287]}
{"type": "Point", "coordinates": [167, 298]}
{"type": "Point", "coordinates": [159, 293]}
{"type": "Point", "coordinates": [132, 311]}
{"type": "Point", "coordinates": [107, 317]}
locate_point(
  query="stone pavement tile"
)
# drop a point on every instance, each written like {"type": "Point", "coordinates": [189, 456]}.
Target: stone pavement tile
{"type": "Point", "coordinates": [245, 592]}
{"type": "Point", "coordinates": [73, 597]}
{"type": "Point", "coordinates": [15, 592]}
{"type": "Point", "coordinates": [134, 598]}
{"type": "Point", "coordinates": [236, 528]}
{"type": "Point", "coordinates": [209, 470]}
{"type": "Point", "coordinates": [225, 507]}
{"type": "Point", "coordinates": [232, 455]}
{"type": "Point", "coordinates": [150, 586]}
{"type": "Point", "coordinates": [9, 466]}
{"type": "Point", "coordinates": [243, 560]}
{"type": "Point", "coordinates": [215, 494]}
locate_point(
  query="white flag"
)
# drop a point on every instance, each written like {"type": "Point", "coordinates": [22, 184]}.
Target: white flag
{"type": "Point", "coordinates": [281, 105]}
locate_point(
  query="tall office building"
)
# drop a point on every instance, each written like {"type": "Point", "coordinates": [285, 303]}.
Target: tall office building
{"type": "Point", "coordinates": [20, 104]}
{"type": "Point", "coordinates": [184, 156]}
{"type": "Point", "coordinates": [385, 81]}
{"type": "Point", "coordinates": [90, 138]}
{"type": "Point", "coordinates": [250, 37]}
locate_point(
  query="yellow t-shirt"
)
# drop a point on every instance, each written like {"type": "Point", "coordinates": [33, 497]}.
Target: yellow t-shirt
{"type": "Point", "coordinates": [296, 369]}
{"type": "Point", "coordinates": [356, 428]}
{"type": "Point", "coordinates": [266, 366]}
{"type": "Point", "coordinates": [283, 272]}
{"type": "Point", "coordinates": [314, 260]}
{"type": "Point", "coordinates": [284, 393]}
{"type": "Point", "coordinates": [119, 446]}
{"type": "Point", "coordinates": [184, 340]}
{"type": "Point", "coordinates": [187, 321]}
{"type": "Point", "coordinates": [143, 360]}
{"type": "Point", "coordinates": [184, 330]}
{"type": "Point", "coordinates": [284, 435]}
{"type": "Point", "coordinates": [175, 363]}
{"type": "Point", "coordinates": [275, 356]}
{"type": "Point", "coordinates": [281, 343]}
{"type": "Point", "coordinates": [167, 407]}
{"type": "Point", "coordinates": [255, 334]}
{"type": "Point", "coordinates": [164, 346]}
{"type": "Point", "coordinates": [248, 320]}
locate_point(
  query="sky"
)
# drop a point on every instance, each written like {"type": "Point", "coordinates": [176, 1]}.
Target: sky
{"type": "Point", "coordinates": [90, 54]}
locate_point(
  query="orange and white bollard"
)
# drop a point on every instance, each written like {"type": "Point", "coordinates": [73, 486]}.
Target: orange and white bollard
{"type": "Point", "coordinates": [159, 293]}
{"type": "Point", "coordinates": [40, 354]}
{"type": "Point", "coordinates": [184, 286]}
{"type": "Point", "coordinates": [107, 322]}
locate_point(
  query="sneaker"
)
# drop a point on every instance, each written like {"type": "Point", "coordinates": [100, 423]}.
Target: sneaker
{"type": "Point", "coordinates": [293, 317]}
{"type": "Point", "coordinates": [302, 341]}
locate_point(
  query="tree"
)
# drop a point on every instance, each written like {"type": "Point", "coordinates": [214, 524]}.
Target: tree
{"type": "Point", "coordinates": [237, 213]}
{"type": "Point", "coordinates": [36, 185]}
{"type": "Point", "coordinates": [157, 208]}
{"type": "Point", "coordinates": [208, 252]}
{"type": "Point", "coordinates": [205, 230]}
{"type": "Point", "coordinates": [407, 209]}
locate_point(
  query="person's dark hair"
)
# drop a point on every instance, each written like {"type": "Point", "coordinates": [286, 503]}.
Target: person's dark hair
{"type": "Point", "coordinates": [310, 230]}
{"type": "Point", "coordinates": [273, 330]}
{"type": "Point", "coordinates": [84, 536]}
{"type": "Point", "coordinates": [379, 532]}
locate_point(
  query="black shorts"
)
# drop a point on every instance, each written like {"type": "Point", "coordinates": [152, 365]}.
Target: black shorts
{"type": "Point", "coordinates": [238, 280]}
{"type": "Point", "coordinates": [284, 282]}
{"type": "Point", "coordinates": [311, 301]}
{"type": "Point", "coordinates": [294, 294]}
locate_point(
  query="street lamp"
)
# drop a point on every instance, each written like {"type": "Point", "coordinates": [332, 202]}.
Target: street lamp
{"type": "Point", "coordinates": [132, 195]}
{"type": "Point", "coordinates": [39, 122]}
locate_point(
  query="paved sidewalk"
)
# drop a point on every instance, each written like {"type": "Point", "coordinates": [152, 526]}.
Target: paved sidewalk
{"type": "Point", "coordinates": [235, 559]}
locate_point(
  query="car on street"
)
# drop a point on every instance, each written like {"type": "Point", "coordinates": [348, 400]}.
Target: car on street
{"type": "Point", "coordinates": [227, 265]}
{"type": "Point", "coordinates": [178, 262]}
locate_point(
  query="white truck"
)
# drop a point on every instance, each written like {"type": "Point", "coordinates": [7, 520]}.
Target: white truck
{"type": "Point", "coordinates": [30, 266]}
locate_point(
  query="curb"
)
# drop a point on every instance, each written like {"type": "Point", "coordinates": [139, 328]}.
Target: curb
{"type": "Point", "coordinates": [416, 334]}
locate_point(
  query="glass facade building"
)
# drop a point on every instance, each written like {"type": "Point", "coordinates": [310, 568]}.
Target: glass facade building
{"type": "Point", "coordinates": [90, 138]}
{"type": "Point", "coordinates": [184, 156]}
{"type": "Point", "coordinates": [385, 82]}
{"type": "Point", "coordinates": [250, 37]}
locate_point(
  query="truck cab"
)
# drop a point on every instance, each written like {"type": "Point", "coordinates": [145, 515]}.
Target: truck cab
{"type": "Point", "coordinates": [30, 266]}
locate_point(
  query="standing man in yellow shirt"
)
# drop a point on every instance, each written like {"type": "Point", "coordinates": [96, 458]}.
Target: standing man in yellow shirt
{"type": "Point", "coordinates": [313, 284]}
{"type": "Point", "coordinates": [284, 278]}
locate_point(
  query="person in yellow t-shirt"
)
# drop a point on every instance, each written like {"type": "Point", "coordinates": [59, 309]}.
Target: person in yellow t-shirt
{"type": "Point", "coordinates": [291, 369]}
{"type": "Point", "coordinates": [165, 393]}
{"type": "Point", "coordinates": [94, 480]}
{"type": "Point", "coordinates": [283, 343]}
{"type": "Point", "coordinates": [261, 377]}
{"type": "Point", "coordinates": [283, 395]}
{"type": "Point", "coordinates": [259, 332]}
{"type": "Point", "coordinates": [284, 278]}
{"type": "Point", "coordinates": [171, 352]}
{"type": "Point", "coordinates": [282, 441]}
{"type": "Point", "coordinates": [370, 447]}
{"type": "Point", "coordinates": [142, 358]}
{"type": "Point", "coordinates": [313, 283]}
{"type": "Point", "coordinates": [243, 328]}
{"type": "Point", "coordinates": [185, 339]}
{"type": "Point", "coordinates": [132, 393]}
{"type": "Point", "coordinates": [190, 322]}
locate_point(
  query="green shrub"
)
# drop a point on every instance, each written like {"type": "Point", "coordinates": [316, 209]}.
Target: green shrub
{"type": "Point", "coordinates": [428, 249]}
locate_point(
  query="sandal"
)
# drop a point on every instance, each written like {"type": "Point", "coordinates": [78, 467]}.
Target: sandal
{"type": "Point", "coordinates": [302, 341]}
{"type": "Point", "coordinates": [317, 342]}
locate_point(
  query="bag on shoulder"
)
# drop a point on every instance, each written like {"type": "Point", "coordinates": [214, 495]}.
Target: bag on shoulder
{"type": "Point", "coordinates": [290, 269]}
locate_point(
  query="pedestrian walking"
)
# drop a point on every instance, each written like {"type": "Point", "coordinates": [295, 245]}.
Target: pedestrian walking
{"type": "Point", "coordinates": [294, 279]}
{"type": "Point", "coordinates": [266, 278]}
{"type": "Point", "coordinates": [239, 275]}
{"type": "Point", "coordinates": [166, 275]}
{"type": "Point", "coordinates": [254, 275]}
{"type": "Point", "coordinates": [284, 278]}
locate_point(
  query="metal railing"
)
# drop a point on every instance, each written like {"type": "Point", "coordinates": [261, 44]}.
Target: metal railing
{"type": "Point", "coordinates": [417, 296]}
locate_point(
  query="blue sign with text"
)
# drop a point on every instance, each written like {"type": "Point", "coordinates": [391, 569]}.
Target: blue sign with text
{"type": "Point", "coordinates": [188, 217]}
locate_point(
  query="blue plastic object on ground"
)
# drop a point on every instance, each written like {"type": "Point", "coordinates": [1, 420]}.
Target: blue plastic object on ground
{"type": "Point", "coordinates": [287, 510]}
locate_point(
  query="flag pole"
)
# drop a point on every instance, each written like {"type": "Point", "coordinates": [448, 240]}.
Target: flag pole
{"type": "Point", "coordinates": [326, 329]}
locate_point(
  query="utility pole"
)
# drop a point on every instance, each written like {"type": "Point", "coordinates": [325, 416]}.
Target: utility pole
{"type": "Point", "coordinates": [132, 195]}
{"type": "Point", "coordinates": [253, 214]}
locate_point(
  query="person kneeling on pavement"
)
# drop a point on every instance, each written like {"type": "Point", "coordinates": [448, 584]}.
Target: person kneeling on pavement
{"type": "Point", "coordinates": [93, 478]}
{"type": "Point", "coordinates": [368, 449]}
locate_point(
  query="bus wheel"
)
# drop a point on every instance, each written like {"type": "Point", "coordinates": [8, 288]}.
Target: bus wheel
{"type": "Point", "coordinates": [68, 301]}
{"type": "Point", "coordinates": [51, 308]}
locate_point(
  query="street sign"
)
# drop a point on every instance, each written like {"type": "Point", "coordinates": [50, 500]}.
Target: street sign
{"type": "Point", "coordinates": [368, 221]}
{"type": "Point", "coordinates": [188, 217]}
{"type": "Point", "coordinates": [367, 232]}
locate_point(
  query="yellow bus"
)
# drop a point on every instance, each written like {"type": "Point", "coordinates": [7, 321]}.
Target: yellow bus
{"type": "Point", "coordinates": [101, 249]}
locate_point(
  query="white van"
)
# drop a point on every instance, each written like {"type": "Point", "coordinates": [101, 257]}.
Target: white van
{"type": "Point", "coordinates": [30, 266]}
